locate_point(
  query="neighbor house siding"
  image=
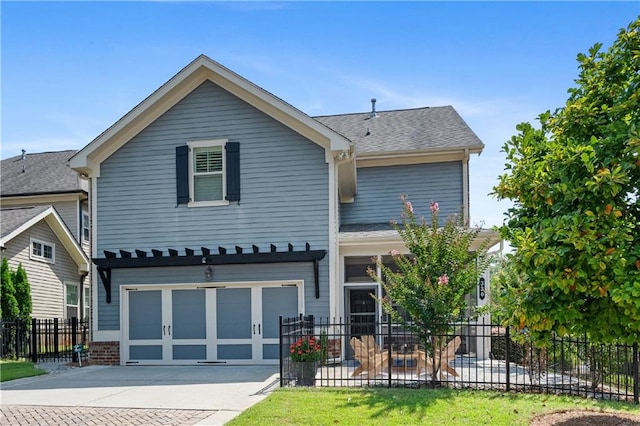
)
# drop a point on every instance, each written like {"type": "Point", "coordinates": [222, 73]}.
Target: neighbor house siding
{"type": "Point", "coordinates": [45, 279]}
{"type": "Point", "coordinates": [109, 315]}
{"type": "Point", "coordinates": [68, 210]}
{"type": "Point", "coordinates": [380, 188]}
{"type": "Point", "coordinates": [284, 186]}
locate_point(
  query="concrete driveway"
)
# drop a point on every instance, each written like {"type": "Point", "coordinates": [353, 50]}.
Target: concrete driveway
{"type": "Point", "coordinates": [203, 395]}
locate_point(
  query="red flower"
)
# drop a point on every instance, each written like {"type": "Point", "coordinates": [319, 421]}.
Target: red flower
{"type": "Point", "coordinates": [305, 349]}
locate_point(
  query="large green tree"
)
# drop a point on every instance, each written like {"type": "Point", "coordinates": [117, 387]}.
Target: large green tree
{"type": "Point", "coordinates": [575, 221]}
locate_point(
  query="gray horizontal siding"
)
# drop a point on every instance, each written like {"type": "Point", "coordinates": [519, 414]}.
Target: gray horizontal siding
{"type": "Point", "coordinates": [45, 279]}
{"type": "Point", "coordinates": [379, 189]}
{"type": "Point", "coordinates": [109, 315]}
{"type": "Point", "coordinates": [284, 181]}
{"type": "Point", "coordinates": [284, 193]}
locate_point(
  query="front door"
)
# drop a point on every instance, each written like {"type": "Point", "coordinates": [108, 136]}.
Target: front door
{"type": "Point", "coordinates": [208, 324]}
{"type": "Point", "coordinates": [361, 313]}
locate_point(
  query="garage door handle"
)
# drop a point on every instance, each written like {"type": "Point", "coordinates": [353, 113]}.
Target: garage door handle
{"type": "Point", "coordinates": [164, 328]}
{"type": "Point", "coordinates": [254, 329]}
{"type": "Point", "coordinates": [169, 330]}
{"type": "Point", "coordinates": [259, 332]}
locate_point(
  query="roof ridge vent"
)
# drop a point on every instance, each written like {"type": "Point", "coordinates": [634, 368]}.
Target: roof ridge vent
{"type": "Point", "coordinates": [373, 112]}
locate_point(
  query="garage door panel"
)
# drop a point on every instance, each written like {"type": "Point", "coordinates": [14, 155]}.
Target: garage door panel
{"type": "Point", "coordinates": [147, 352]}
{"type": "Point", "coordinates": [189, 352]}
{"type": "Point", "coordinates": [233, 313]}
{"type": "Point", "coordinates": [145, 315]}
{"type": "Point", "coordinates": [277, 301]}
{"type": "Point", "coordinates": [189, 314]}
{"type": "Point", "coordinates": [238, 352]}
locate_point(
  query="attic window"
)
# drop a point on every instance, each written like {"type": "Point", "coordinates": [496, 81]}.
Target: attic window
{"type": "Point", "coordinates": [42, 251]}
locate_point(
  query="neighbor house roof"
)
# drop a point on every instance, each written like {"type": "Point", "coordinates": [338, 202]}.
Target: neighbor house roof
{"type": "Point", "coordinates": [426, 129]}
{"type": "Point", "coordinates": [41, 173]}
{"type": "Point", "coordinates": [16, 220]}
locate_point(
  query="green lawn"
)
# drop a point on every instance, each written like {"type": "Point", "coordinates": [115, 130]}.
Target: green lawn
{"type": "Point", "coordinates": [10, 370]}
{"type": "Point", "coordinates": [409, 406]}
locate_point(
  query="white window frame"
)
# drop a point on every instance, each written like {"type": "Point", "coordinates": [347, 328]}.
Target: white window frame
{"type": "Point", "coordinates": [67, 305]}
{"type": "Point", "coordinates": [41, 257]}
{"type": "Point", "coordinates": [86, 226]}
{"type": "Point", "coordinates": [206, 144]}
{"type": "Point", "coordinates": [86, 313]}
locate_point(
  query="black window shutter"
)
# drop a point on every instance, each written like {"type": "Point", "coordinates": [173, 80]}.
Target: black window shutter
{"type": "Point", "coordinates": [182, 174]}
{"type": "Point", "coordinates": [233, 171]}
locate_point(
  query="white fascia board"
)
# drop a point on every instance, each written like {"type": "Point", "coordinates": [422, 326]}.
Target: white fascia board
{"type": "Point", "coordinates": [28, 224]}
{"type": "Point", "coordinates": [379, 159]}
{"type": "Point", "coordinates": [42, 199]}
{"type": "Point", "coordinates": [62, 233]}
{"type": "Point", "coordinates": [70, 244]}
{"type": "Point", "coordinates": [87, 161]}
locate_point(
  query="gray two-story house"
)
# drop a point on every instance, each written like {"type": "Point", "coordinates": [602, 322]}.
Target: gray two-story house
{"type": "Point", "coordinates": [217, 207]}
{"type": "Point", "coordinates": [45, 226]}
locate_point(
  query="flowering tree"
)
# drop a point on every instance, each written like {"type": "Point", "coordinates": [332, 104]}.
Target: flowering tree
{"type": "Point", "coordinates": [431, 284]}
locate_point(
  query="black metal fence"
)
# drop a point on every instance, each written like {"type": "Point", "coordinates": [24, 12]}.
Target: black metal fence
{"type": "Point", "coordinates": [474, 355]}
{"type": "Point", "coordinates": [42, 340]}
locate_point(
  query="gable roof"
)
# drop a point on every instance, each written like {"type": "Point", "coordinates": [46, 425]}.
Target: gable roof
{"type": "Point", "coordinates": [39, 174]}
{"type": "Point", "coordinates": [429, 129]}
{"type": "Point", "coordinates": [17, 220]}
{"type": "Point", "coordinates": [88, 159]}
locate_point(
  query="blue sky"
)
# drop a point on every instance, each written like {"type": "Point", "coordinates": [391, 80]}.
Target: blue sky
{"type": "Point", "coordinates": [70, 70]}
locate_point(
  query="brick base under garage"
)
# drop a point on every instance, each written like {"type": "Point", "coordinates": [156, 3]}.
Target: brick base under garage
{"type": "Point", "coordinates": [104, 353]}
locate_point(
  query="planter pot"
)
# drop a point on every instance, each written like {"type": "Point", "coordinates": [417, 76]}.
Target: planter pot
{"type": "Point", "coordinates": [305, 372]}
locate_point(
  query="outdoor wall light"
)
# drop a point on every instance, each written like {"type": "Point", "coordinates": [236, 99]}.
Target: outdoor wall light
{"type": "Point", "coordinates": [208, 273]}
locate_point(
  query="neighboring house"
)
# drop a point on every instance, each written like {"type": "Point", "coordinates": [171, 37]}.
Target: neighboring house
{"type": "Point", "coordinates": [56, 266]}
{"type": "Point", "coordinates": [45, 224]}
{"type": "Point", "coordinates": [217, 207]}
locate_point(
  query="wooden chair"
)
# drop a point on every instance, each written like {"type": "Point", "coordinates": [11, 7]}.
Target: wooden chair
{"type": "Point", "coordinates": [443, 356]}
{"type": "Point", "coordinates": [371, 362]}
{"type": "Point", "coordinates": [370, 343]}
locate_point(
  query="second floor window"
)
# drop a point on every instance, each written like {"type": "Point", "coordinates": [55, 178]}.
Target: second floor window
{"type": "Point", "coordinates": [208, 173]}
{"type": "Point", "coordinates": [41, 250]}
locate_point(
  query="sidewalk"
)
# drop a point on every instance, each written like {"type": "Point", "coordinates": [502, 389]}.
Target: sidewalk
{"type": "Point", "coordinates": [211, 395]}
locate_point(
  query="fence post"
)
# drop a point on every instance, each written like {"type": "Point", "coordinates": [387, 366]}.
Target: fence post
{"type": "Point", "coordinates": [636, 373]}
{"type": "Point", "coordinates": [506, 356]}
{"type": "Point", "coordinates": [34, 340]}
{"type": "Point", "coordinates": [74, 338]}
{"type": "Point", "coordinates": [390, 361]}
{"type": "Point", "coordinates": [281, 351]}
{"type": "Point", "coordinates": [56, 340]}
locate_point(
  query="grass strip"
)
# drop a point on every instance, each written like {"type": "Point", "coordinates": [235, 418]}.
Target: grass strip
{"type": "Point", "coordinates": [410, 406]}
{"type": "Point", "coordinates": [11, 370]}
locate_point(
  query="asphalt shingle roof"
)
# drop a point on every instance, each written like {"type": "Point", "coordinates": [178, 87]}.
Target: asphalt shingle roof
{"type": "Point", "coordinates": [14, 217]}
{"type": "Point", "coordinates": [44, 173]}
{"type": "Point", "coordinates": [429, 128]}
